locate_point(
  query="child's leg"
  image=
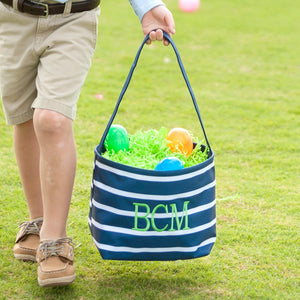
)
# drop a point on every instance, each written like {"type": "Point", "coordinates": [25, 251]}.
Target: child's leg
{"type": "Point", "coordinates": [57, 169]}
{"type": "Point", "coordinates": [28, 159]}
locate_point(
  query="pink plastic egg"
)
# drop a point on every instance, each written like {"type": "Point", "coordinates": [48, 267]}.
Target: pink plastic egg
{"type": "Point", "coordinates": [189, 5]}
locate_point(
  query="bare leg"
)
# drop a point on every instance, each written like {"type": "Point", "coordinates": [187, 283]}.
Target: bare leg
{"type": "Point", "coordinates": [57, 170]}
{"type": "Point", "coordinates": [28, 158]}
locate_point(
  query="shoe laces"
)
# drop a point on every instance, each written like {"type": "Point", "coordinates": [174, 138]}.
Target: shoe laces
{"type": "Point", "coordinates": [54, 248]}
{"type": "Point", "coordinates": [31, 227]}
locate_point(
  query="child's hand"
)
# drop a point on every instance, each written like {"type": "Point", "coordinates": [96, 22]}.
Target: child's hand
{"type": "Point", "coordinates": [159, 18]}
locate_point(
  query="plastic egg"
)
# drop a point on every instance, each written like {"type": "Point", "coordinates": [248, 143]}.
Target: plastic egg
{"type": "Point", "coordinates": [189, 5]}
{"type": "Point", "coordinates": [179, 140]}
{"type": "Point", "coordinates": [169, 164]}
{"type": "Point", "coordinates": [117, 139]}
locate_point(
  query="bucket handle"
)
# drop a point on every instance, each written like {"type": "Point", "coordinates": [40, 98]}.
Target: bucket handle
{"type": "Point", "coordinates": [126, 84]}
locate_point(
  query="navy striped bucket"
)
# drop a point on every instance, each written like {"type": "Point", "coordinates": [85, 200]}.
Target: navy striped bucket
{"type": "Point", "coordinates": [138, 214]}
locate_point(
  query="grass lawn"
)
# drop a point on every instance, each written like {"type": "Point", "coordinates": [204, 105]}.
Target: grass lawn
{"type": "Point", "coordinates": [242, 58]}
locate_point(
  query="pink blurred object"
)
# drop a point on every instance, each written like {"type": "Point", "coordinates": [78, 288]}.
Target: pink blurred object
{"type": "Point", "coordinates": [99, 96]}
{"type": "Point", "coordinates": [189, 5]}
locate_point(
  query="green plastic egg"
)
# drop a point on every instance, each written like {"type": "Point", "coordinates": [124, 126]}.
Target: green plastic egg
{"type": "Point", "coordinates": [117, 139]}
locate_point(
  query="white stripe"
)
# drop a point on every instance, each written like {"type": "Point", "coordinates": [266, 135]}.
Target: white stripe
{"type": "Point", "coordinates": [152, 233]}
{"type": "Point", "coordinates": [154, 250]}
{"type": "Point", "coordinates": [154, 178]}
{"type": "Point", "coordinates": [153, 197]}
{"type": "Point", "coordinates": [127, 213]}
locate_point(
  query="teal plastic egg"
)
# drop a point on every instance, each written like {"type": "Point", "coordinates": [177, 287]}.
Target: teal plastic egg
{"type": "Point", "coordinates": [117, 139]}
{"type": "Point", "coordinates": [169, 164]}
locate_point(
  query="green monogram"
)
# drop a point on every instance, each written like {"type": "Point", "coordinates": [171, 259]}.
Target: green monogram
{"type": "Point", "coordinates": [150, 221]}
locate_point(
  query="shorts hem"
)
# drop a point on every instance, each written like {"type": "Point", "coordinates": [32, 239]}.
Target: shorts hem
{"type": "Point", "coordinates": [56, 106]}
{"type": "Point", "coordinates": [19, 119]}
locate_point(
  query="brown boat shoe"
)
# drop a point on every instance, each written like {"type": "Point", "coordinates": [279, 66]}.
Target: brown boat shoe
{"type": "Point", "coordinates": [28, 240]}
{"type": "Point", "coordinates": [55, 262]}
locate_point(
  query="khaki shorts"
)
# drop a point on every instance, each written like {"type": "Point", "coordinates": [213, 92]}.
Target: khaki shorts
{"type": "Point", "coordinates": [44, 61]}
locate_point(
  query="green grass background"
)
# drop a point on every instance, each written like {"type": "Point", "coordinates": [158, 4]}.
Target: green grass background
{"type": "Point", "coordinates": [242, 58]}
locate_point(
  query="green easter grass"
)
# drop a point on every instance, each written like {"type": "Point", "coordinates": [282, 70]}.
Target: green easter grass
{"type": "Point", "coordinates": [148, 148]}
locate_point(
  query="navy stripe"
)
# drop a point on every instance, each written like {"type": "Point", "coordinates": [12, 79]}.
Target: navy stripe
{"type": "Point", "coordinates": [194, 220]}
{"type": "Point", "coordinates": [125, 203]}
{"type": "Point", "coordinates": [118, 239]}
{"type": "Point", "coordinates": [145, 250]}
{"type": "Point", "coordinates": [167, 256]}
{"type": "Point", "coordinates": [154, 242]}
{"type": "Point", "coordinates": [148, 187]}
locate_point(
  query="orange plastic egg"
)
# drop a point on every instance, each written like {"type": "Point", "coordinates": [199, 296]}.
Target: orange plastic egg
{"type": "Point", "coordinates": [179, 140]}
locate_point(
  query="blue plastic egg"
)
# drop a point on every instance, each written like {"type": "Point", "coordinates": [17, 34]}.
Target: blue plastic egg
{"type": "Point", "coordinates": [169, 164]}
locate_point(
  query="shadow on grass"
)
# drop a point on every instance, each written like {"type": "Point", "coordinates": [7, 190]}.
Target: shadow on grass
{"type": "Point", "coordinates": [155, 281]}
{"type": "Point", "coordinates": [138, 280]}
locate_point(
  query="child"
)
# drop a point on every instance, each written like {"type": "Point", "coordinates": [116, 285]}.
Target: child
{"type": "Point", "coordinates": [45, 54]}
